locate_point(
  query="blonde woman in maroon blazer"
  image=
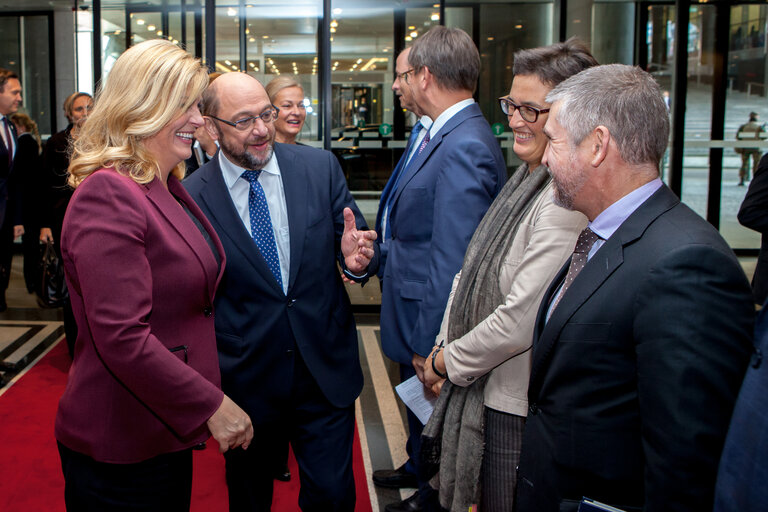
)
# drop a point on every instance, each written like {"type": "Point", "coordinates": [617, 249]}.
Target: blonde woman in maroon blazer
{"type": "Point", "coordinates": [142, 265]}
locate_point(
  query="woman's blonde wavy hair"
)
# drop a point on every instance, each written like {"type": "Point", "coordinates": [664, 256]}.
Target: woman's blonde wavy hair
{"type": "Point", "coordinates": [150, 85]}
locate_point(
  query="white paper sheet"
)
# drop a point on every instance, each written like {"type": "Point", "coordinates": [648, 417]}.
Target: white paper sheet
{"type": "Point", "coordinates": [419, 399]}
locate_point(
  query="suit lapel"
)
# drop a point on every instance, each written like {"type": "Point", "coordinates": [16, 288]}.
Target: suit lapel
{"type": "Point", "coordinates": [295, 177]}
{"type": "Point", "coordinates": [604, 263]}
{"type": "Point", "coordinates": [179, 220]}
{"type": "Point", "coordinates": [218, 202]}
{"type": "Point", "coordinates": [418, 160]}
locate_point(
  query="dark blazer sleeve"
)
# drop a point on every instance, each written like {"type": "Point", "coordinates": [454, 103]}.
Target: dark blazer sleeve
{"type": "Point", "coordinates": [465, 188]}
{"type": "Point", "coordinates": [105, 254]}
{"type": "Point", "coordinates": [753, 213]}
{"type": "Point", "coordinates": [693, 330]}
{"type": "Point", "coordinates": [342, 198]}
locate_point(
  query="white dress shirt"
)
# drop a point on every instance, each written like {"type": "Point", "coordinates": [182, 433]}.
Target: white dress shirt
{"type": "Point", "coordinates": [272, 183]}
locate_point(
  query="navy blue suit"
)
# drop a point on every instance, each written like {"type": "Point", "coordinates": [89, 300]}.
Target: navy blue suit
{"type": "Point", "coordinates": [744, 463]}
{"type": "Point", "coordinates": [440, 199]}
{"type": "Point", "coordinates": [439, 202]}
{"type": "Point", "coordinates": [288, 357]}
{"type": "Point", "coordinates": [10, 195]}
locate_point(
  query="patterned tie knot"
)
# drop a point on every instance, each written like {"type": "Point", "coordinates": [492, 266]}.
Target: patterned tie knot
{"type": "Point", "coordinates": [586, 240]}
{"type": "Point", "coordinates": [251, 175]}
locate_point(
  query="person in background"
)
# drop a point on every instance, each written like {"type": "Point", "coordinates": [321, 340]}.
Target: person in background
{"type": "Point", "coordinates": [56, 192]}
{"type": "Point", "coordinates": [28, 173]}
{"type": "Point", "coordinates": [441, 195]}
{"type": "Point", "coordinates": [642, 339]}
{"type": "Point", "coordinates": [11, 226]}
{"type": "Point", "coordinates": [484, 344]}
{"type": "Point", "coordinates": [288, 96]}
{"type": "Point", "coordinates": [204, 147]}
{"type": "Point", "coordinates": [751, 130]}
{"type": "Point", "coordinates": [142, 265]}
{"type": "Point", "coordinates": [753, 214]}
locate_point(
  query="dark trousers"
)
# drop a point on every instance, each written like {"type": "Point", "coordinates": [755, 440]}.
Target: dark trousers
{"type": "Point", "coordinates": [160, 484]}
{"type": "Point", "coordinates": [6, 253]}
{"type": "Point", "coordinates": [321, 436]}
{"type": "Point", "coordinates": [427, 495]}
{"type": "Point", "coordinates": [503, 440]}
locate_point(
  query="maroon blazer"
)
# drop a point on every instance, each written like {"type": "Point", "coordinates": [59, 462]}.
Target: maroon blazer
{"type": "Point", "coordinates": [141, 277]}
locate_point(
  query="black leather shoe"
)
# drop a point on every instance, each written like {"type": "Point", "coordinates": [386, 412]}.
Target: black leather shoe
{"type": "Point", "coordinates": [407, 505]}
{"type": "Point", "coordinates": [283, 474]}
{"type": "Point", "coordinates": [395, 478]}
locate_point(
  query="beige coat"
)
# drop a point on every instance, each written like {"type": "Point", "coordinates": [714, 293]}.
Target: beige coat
{"type": "Point", "coordinates": [501, 343]}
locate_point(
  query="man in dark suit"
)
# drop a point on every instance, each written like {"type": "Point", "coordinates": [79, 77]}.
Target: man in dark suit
{"type": "Point", "coordinates": [10, 192]}
{"type": "Point", "coordinates": [642, 338]}
{"type": "Point", "coordinates": [753, 214]}
{"type": "Point", "coordinates": [443, 191]}
{"type": "Point", "coordinates": [744, 465]}
{"type": "Point", "coordinates": [286, 337]}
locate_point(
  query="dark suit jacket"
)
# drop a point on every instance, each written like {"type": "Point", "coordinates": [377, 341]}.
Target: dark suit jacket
{"type": "Point", "coordinates": [753, 214]}
{"type": "Point", "coordinates": [741, 482]}
{"type": "Point", "coordinates": [56, 192]}
{"type": "Point", "coordinates": [635, 374]}
{"type": "Point", "coordinates": [10, 191]}
{"type": "Point", "coordinates": [258, 327]}
{"type": "Point", "coordinates": [439, 201]}
{"type": "Point", "coordinates": [141, 281]}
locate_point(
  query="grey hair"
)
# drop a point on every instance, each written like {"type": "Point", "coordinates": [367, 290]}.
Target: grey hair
{"type": "Point", "coordinates": [451, 56]}
{"type": "Point", "coordinates": [624, 99]}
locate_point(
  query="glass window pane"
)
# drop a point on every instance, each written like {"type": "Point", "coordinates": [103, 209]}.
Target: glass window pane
{"type": "Point", "coordinates": [282, 41]}
{"type": "Point", "coordinates": [746, 94]}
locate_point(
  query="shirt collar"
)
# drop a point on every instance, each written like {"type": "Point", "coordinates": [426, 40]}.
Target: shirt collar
{"type": "Point", "coordinates": [448, 114]}
{"type": "Point", "coordinates": [232, 172]}
{"type": "Point", "coordinates": [610, 219]}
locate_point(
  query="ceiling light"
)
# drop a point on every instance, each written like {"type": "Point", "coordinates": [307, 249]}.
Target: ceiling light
{"type": "Point", "coordinates": [151, 27]}
{"type": "Point", "coordinates": [490, 38]}
{"type": "Point", "coordinates": [414, 34]}
{"type": "Point", "coordinates": [411, 27]}
{"type": "Point", "coordinates": [337, 11]}
{"type": "Point", "coordinates": [435, 16]}
{"type": "Point", "coordinates": [251, 39]}
{"type": "Point", "coordinates": [333, 30]}
{"type": "Point", "coordinates": [408, 38]}
{"type": "Point", "coordinates": [231, 12]}
{"type": "Point", "coordinates": [159, 32]}
{"type": "Point", "coordinates": [139, 22]}
{"type": "Point", "coordinates": [334, 23]}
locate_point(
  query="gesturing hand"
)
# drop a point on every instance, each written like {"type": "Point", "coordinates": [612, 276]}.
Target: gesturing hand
{"type": "Point", "coordinates": [230, 426]}
{"type": "Point", "coordinates": [356, 245]}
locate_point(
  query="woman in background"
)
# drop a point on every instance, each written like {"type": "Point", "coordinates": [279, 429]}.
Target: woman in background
{"type": "Point", "coordinates": [288, 96]}
{"type": "Point", "coordinates": [142, 266]}
{"type": "Point", "coordinates": [519, 246]}
{"type": "Point", "coordinates": [56, 194]}
{"type": "Point", "coordinates": [27, 175]}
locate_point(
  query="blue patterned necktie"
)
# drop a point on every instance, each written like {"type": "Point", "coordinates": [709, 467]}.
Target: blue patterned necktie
{"type": "Point", "coordinates": [400, 170]}
{"type": "Point", "coordinates": [261, 224]}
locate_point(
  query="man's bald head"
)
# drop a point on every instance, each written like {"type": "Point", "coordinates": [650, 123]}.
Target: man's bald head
{"type": "Point", "coordinates": [227, 84]}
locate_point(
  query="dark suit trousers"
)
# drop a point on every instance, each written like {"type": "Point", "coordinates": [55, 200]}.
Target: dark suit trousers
{"type": "Point", "coordinates": [427, 495]}
{"type": "Point", "coordinates": [160, 484]}
{"type": "Point", "coordinates": [321, 436]}
{"type": "Point", "coordinates": [6, 252]}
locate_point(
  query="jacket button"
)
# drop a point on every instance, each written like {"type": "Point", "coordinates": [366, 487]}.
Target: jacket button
{"type": "Point", "coordinates": [291, 303]}
{"type": "Point", "coordinates": [533, 409]}
{"type": "Point", "coordinates": [470, 379]}
{"type": "Point", "coordinates": [208, 311]}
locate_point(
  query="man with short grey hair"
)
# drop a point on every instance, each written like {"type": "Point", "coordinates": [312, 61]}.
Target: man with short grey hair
{"type": "Point", "coordinates": [642, 339]}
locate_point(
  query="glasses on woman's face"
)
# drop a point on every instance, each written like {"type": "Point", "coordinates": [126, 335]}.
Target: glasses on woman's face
{"type": "Point", "coordinates": [529, 114]}
{"type": "Point", "coordinates": [242, 125]}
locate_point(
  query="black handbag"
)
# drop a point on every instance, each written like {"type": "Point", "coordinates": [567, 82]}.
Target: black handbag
{"type": "Point", "coordinates": [53, 291]}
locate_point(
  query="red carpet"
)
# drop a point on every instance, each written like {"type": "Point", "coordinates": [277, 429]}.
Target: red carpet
{"type": "Point", "coordinates": [30, 475]}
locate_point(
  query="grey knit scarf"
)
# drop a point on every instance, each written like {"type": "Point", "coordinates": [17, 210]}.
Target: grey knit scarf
{"type": "Point", "coordinates": [453, 438]}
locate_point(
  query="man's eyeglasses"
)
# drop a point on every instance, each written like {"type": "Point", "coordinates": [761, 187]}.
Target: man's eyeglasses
{"type": "Point", "coordinates": [529, 114]}
{"type": "Point", "coordinates": [403, 75]}
{"type": "Point", "coordinates": [242, 125]}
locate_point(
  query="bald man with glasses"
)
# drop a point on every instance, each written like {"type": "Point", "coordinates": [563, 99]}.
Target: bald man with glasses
{"type": "Point", "coordinates": [286, 337]}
